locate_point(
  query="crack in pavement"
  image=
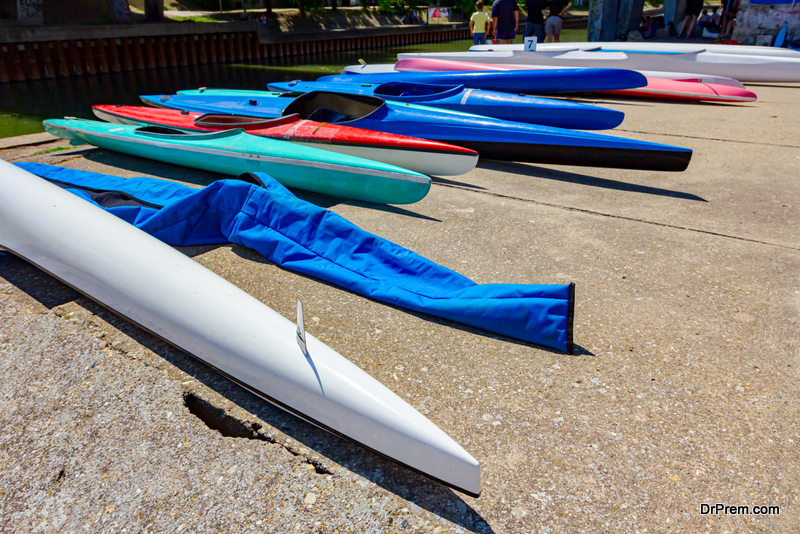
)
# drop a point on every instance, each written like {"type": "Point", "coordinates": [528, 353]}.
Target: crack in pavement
{"type": "Point", "coordinates": [708, 138]}
{"type": "Point", "coordinates": [622, 217]}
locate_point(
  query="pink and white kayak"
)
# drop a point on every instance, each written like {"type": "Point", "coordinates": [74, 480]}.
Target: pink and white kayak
{"type": "Point", "coordinates": [691, 89]}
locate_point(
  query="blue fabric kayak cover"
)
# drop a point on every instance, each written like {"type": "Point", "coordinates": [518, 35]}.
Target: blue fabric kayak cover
{"type": "Point", "coordinates": [303, 237]}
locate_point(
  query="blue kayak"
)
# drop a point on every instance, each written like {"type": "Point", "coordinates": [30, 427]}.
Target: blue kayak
{"type": "Point", "coordinates": [491, 138]}
{"type": "Point", "coordinates": [539, 82]}
{"type": "Point", "coordinates": [504, 106]}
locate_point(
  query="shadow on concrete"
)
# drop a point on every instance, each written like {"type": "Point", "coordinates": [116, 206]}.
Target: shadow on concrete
{"type": "Point", "coordinates": [445, 181]}
{"type": "Point", "coordinates": [391, 209]}
{"type": "Point", "coordinates": [432, 496]}
{"type": "Point", "coordinates": [583, 179]}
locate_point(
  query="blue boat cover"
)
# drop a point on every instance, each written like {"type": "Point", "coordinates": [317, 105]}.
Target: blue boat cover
{"type": "Point", "coordinates": [303, 237]}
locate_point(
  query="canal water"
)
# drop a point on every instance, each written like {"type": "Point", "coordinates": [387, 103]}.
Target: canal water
{"type": "Point", "coordinates": [24, 105]}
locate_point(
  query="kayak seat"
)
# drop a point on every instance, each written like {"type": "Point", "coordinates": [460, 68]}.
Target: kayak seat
{"type": "Point", "coordinates": [327, 115]}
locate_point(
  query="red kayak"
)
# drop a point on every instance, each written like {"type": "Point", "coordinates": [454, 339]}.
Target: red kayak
{"type": "Point", "coordinates": [656, 88]}
{"type": "Point", "coordinates": [420, 155]}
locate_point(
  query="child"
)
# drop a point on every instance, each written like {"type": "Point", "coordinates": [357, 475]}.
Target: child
{"type": "Point", "coordinates": [479, 24]}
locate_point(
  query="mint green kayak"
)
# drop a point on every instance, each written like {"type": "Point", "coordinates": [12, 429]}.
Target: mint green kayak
{"type": "Point", "coordinates": [233, 152]}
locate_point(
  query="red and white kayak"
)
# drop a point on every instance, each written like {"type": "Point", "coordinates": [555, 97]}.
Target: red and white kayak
{"type": "Point", "coordinates": [420, 155]}
{"type": "Point", "coordinates": [692, 88]}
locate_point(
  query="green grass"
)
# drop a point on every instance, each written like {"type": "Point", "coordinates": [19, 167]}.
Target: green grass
{"type": "Point", "coordinates": [51, 150]}
{"type": "Point", "coordinates": [198, 19]}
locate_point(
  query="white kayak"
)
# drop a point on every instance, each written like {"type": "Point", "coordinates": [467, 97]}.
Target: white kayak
{"type": "Point", "coordinates": [179, 300]}
{"type": "Point", "coordinates": [651, 47]}
{"type": "Point", "coordinates": [389, 67]}
{"type": "Point", "coordinates": [744, 68]}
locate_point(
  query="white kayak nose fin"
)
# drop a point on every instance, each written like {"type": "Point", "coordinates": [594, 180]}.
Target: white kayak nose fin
{"type": "Point", "coordinates": [301, 329]}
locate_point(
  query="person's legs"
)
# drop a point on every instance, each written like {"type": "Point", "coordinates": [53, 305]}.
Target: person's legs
{"type": "Point", "coordinates": [689, 25]}
{"type": "Point", "coordinates": [557, 29]}
{"type": "Point", "coordinates": [529, 30]}
{"type": "Point", "coordinates": [548, 26]}
{"type": "Point", "coordinates": [683, 25]}
{"type": "Point", "coordinates": [478, 38]}
{"type": "Point", "coordinates": [540, 33]}
{"type": "Point", "coordinates": [505, 37]}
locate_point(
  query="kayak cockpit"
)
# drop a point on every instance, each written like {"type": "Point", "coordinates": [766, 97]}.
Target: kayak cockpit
{"type": "Point", "coordinates": [410, 90]}
{"type": "Point", "coordinates": [172, 133]}
{"type": "Point", "coordinates": [328, 107]}
{"type": "Point", "coordinates": [238, 121]}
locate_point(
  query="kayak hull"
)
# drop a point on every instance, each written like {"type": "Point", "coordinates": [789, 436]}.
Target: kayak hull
{"type": "Point", "coordinates": [492, 138]}
{"type": "Point", "coordinates": [177, 299]}
{"type": "Point", "coordinates": [661, 88]}
{"type": "Point", "coordinates": [503, 106]}
{"type": "Point", "coordinates": [534, 82]}
{"type": "Point", "coordinates": [419, 155]}
{"type": "Point", "coordinates": [233, 153]}
{"type": "Point", "coordinates": [745, 68]}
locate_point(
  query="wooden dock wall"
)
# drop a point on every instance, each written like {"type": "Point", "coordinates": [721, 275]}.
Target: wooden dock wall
{"type": "Point", "coordinates": [39, 58]}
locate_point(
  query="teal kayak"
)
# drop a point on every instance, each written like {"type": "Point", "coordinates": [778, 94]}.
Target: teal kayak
{"type": "Point", "coordinates": [233, 152]}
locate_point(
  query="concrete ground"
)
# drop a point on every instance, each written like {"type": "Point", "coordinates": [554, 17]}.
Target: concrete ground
{"type": "Point", "coordinates": [684, 389]}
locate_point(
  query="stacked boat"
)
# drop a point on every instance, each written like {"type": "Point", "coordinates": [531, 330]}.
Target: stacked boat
{"type": "Point", "coordinates": [743, 63]}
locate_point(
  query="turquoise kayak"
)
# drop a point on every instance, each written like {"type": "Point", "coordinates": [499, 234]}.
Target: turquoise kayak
{"type": "Point", "coordinates": [233, 152]}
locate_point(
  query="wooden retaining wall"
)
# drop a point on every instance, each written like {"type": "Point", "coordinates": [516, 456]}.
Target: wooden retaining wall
{"type": "Point", "coordinates": [78, 57]}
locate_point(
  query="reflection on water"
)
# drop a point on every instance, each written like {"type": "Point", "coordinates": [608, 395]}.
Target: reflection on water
{"type": "Point", "coordinates": [23, 105]}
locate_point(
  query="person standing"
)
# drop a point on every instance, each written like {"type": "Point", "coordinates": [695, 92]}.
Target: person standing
{"type": "Point", "coordinates": [554, 20]}
{"type": "Point", "coordinates": [478, 24]}
{"type": "Point", "coordinates": [535, 24]}
{"type": "Point", "coordinates": [505, 20]}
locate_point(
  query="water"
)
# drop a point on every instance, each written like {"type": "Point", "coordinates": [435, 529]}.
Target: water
{"type": "Point", "coordinates": [24, 105]}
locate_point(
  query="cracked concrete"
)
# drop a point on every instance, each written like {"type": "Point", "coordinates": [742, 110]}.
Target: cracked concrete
{"type": "Point", "coordinates": [683, 391]}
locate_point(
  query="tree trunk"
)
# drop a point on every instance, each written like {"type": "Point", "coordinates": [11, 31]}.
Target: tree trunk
{"type": "Point", "coordinates": [154, 9]}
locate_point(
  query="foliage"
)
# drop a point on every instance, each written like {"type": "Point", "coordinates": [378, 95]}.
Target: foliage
{"type": "Point", "coordinates": [468, 6]}
{"type": "Point", "coordinates": [386, 7]}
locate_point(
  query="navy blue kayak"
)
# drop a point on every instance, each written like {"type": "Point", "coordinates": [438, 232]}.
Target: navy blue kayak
{"type": "Point", "coordinates": [504, 106]}
{"type": "Point", "coordinates": [491, 138]}
{"type": "Point", "coordinates": [539, 82]}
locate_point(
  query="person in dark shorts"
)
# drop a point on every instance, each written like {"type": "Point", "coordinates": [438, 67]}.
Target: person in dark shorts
{"type": "Point", "coordinates": [553, 23]}
{"type": "Point", "coordinates": [690, 14]}
{"type": "Point", "coordinates": [535, 24]}
{"type": "Point", "coordinates": [505, 19]}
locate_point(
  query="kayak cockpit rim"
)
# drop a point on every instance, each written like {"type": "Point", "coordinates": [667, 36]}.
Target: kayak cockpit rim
{"type": "Point", "coordinates": [414, 90]}
{"type": "Point", "coordinates": [172, 133]}
{"type": "Point", "coordinates": [334, 108]}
